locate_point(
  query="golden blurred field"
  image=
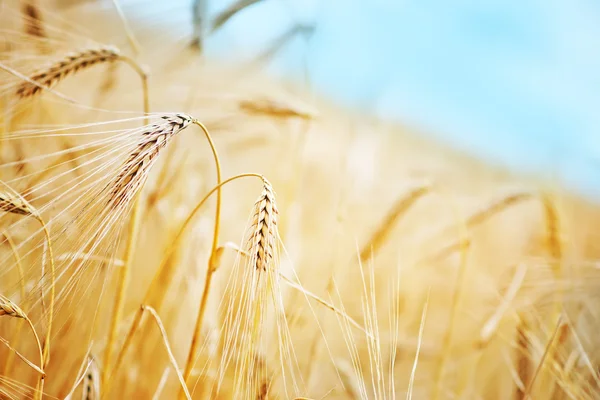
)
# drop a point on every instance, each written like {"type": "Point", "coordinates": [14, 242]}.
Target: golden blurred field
{"type": "Point", "coordinates": [402, 269]}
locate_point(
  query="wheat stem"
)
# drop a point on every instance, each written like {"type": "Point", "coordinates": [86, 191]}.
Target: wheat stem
{"type": "Point", "coordinates": [12, 202]}
{"type": "Point", "coordinates": [144, 78]}
{"type": "Point", "coordinates": [549, 346]}
{"type": "Point", "coordinates": [22, 357]}
{"type": "Point", "coordinates": [210, 268]}
{"type": "Point", "coordinates": [411, 381]}
{"type": "Point", "coordinates": [7, 307]}
{"type": "Point", "coordinates": [135, 46]}
{"type": "Point", "coordinates": [326, 304]}
{"type": "Point", "coordinates": [11, 356]}
{"type": "Point", "coordinates": [52, 295]}
{"type": "Point", "coordinates": [163, 333]}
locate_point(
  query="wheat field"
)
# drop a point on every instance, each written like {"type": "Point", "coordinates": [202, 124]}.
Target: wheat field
{"type": "Point", "coordinates": [178, 227]}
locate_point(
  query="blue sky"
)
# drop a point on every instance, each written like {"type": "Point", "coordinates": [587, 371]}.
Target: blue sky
{"type": "Point", "coordinates": [516, 82]}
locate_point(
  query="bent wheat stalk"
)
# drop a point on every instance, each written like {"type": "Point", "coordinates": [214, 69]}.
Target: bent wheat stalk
{"type": "Point", "coordinates": [163, 333]}
{"type": "Point", "coordinates": [13, 202]}
{"type": "Point", "coordinates": [17, 335]}
{"type": "Point", "coordinates": [7, 307]}
{"type": "Point", "coordinates": [211, 261]}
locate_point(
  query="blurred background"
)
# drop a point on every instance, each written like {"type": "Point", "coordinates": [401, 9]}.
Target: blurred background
{"type": "Point", "coordinates": [514, 82]}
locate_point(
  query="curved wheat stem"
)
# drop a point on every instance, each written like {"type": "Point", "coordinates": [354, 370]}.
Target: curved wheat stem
{"type": "Point", "coordinates": [10, 358]}
{"type": "Point", "coordinates": [7, 307]}
{"type": "Point", "coordinates": [13, 202]}
{"type": "Point", "coordinates": [211, 261]}
{"type": "Point", "coordinates": [163, 333]}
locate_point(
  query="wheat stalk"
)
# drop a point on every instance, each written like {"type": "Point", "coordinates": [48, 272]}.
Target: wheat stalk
{"type": "Point", "coordinates": [13, 202]}
{"type": "Point", "coordinates": [17, 334]}
{"type": "Point", "coordinates": [9, 308]}
{"type": "Point", "coordinates": [135, 46]}
{"type": "Point", "coordinates": [560, 332]}
{"type": "Point", "coordinates": [163, 334]}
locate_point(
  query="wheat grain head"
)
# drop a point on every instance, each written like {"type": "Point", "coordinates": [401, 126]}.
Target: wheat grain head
{"type": "Point", "coordinates": [135, 169]}
{"type": "Point", "coordinates": [262, 240]}
{"type": "Point", "coordinates": [12, 202]}
{"type": "Point", "coordinates": [50, 75]}
{"type": "Point", "coordinates": [7, 307]}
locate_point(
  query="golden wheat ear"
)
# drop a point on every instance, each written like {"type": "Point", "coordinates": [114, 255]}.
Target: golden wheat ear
{"type": "Point", "coordinates": [51, 75]}
{"type": "Point", "coordinates": [262, 240]}
{"type": "Point", "coordinates": [15, 204]}
{"type": "Point", "coordinates": [7, 307]}
{"type": "Point", "coordinates": [33, 19]}
{"type": "Point", "coordinates": [135, 169]}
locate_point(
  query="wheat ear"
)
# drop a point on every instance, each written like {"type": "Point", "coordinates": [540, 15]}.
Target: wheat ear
{"type": "Point", "coordinates": [7, 307]}
{"type": "Point", "coordinates": [156, 280]}
{"type": "Point", "coordinates": [52, 74]}
{"type": "Point", "coordinates": [262, 241]}
{"type": "Point", "coordinates": [33, 23]}
{"type": "Point", "coordinates": [400, 207]}
{"type": "Point", "coordinates": [91, 381]}
{"type": "Point", "coordinates": [126, 188]}
{"type": "Point", "coordinates": [225, 15]}
{"type": "Point", "coordinates": [55, 72]}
